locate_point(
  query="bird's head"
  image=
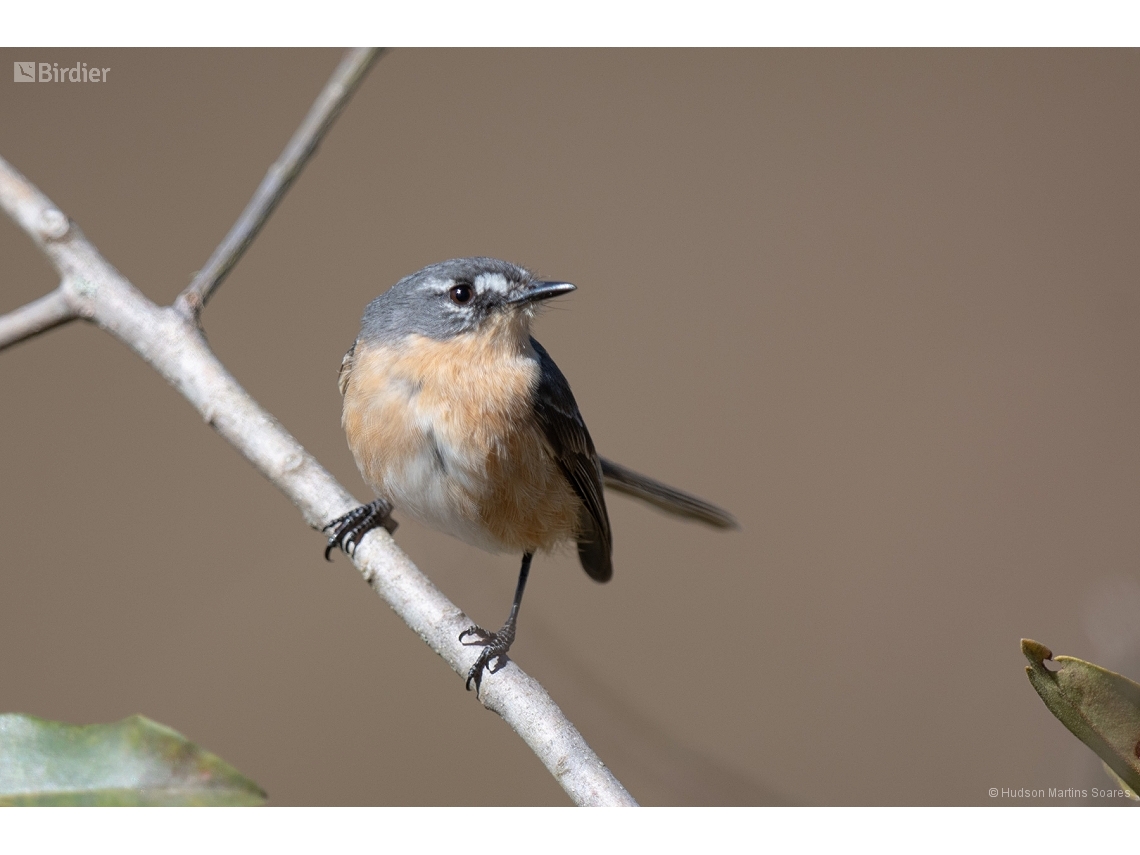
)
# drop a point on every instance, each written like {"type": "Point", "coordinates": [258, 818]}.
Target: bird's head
{"type": "Point", "coordinates": [462, 296]}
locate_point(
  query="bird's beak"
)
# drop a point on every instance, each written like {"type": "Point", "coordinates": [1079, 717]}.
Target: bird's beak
{"type": "Point", "coordinates": [536, 291]}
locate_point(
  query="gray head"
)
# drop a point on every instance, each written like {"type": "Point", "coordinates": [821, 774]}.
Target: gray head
{"type": "Point", "coordinates": [454, 297]}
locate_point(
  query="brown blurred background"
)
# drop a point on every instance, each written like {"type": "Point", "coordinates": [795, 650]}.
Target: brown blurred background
{"type": "Point", "coordinates": [883, 305]}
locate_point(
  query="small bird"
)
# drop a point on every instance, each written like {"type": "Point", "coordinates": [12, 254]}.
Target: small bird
{"type": "Point", "coordinates": [460, 419]}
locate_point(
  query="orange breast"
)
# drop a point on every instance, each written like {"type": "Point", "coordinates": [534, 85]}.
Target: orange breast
{"type": "Point", "coordinates": [445, 431]}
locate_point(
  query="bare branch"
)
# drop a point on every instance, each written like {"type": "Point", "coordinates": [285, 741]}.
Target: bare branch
{"type": "Point", "coordinates": [174, 346]}
{"type": "Point", "coordinates": [36, 215]}
{"type": "Point", "coordinates": [278, 179]}
{"type": "Point", "coordinates": [48, 311]}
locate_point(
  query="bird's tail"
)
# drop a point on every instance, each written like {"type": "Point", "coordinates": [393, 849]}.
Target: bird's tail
{"type": "Point", "coordinates": [663, 496]}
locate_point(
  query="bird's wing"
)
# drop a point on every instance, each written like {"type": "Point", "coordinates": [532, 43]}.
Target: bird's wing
{"type": "Point", "coordinates": [345, 369]}
{"type": "Point", "coordinates": [574, 450]}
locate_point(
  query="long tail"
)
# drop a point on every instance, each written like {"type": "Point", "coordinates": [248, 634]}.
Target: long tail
{"type": "Point", "coordinates": [663, 496]}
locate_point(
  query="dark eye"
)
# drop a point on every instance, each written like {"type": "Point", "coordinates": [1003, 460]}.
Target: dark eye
{"type": "Point", "coordinates": [461, 294]}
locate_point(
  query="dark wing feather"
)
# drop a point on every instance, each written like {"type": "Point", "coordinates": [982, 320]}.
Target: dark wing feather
{"type": "Point", "coordinates": [574, 450]}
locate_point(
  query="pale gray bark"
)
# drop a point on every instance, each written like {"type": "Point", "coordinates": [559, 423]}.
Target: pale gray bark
{"type": "Point", "coordinates": [48, 311]}
{"type": "Point", "coordinates": [170, 341]}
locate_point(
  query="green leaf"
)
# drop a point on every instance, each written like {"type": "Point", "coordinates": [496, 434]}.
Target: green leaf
{"type": "Point", "coordinates": [135, 761]}
{"type": "Point", "coordinates": [1100, 707]}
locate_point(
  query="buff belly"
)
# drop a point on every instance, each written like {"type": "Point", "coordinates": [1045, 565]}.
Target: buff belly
{"type": "Point", "coordinates": [446, 434]}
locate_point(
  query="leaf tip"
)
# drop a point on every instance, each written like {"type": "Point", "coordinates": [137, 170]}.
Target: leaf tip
{"type": "Point", "coordinates": [1035, 651]}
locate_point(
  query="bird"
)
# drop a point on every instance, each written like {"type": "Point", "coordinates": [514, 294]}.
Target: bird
{"type": "Point", "coordinates": [459, 418]}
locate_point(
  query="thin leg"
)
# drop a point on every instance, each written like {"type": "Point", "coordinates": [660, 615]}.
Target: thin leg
{"type": "Point", "coordinates": [496, 644]}
{"type": "Point", "coordinates": [349, 530]}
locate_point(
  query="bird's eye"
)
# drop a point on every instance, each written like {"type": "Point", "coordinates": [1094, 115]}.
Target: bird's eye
{"type": "Point", "coordinates": [461, 294]}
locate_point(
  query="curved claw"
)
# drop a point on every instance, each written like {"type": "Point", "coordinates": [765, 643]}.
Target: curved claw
{"type": "Point", "coordinates": [477, 676]}
{"type": "Point", "coordinates": [350, 529]}
{"type": "Point", "coordinates": [481, 634]}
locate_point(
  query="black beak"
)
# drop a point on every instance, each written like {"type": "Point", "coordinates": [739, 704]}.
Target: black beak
{"type": "Point", "coordinates": [536, 291]}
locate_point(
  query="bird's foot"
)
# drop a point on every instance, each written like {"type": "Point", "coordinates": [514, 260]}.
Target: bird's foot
{"type": "Point", "coordinates": [349, 530]}
{"type": "Point", "coordinates": [494, 656]}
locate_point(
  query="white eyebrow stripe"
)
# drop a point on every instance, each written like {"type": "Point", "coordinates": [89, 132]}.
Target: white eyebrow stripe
{"type": "Point", "coordinates": [492, 282]}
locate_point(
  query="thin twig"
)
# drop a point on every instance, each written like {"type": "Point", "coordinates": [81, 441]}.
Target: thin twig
{"type": "Point", "coordinates": [175, 347]}
{"type": "Point", "coordinates": [277, 180]}
{"type": "Point", "coordinates": [48, 311]}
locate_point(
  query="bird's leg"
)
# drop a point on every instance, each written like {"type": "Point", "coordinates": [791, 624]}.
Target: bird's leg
{"type": "Point", "coordinates": [495, 644]}
{"type": "Point", "coordinates": [349, 530]}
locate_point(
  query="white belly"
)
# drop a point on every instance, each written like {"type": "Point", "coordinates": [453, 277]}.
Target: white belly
{"type": "Point", "coordinates": [438, 486]}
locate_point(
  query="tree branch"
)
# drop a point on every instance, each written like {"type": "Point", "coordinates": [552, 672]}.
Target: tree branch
{"type": "Point", "coordinates": [48, 311]}
{"type": "Point", "coordinates": [278, 180]}
{"type": "Point", "coordinates": [171, 342]}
